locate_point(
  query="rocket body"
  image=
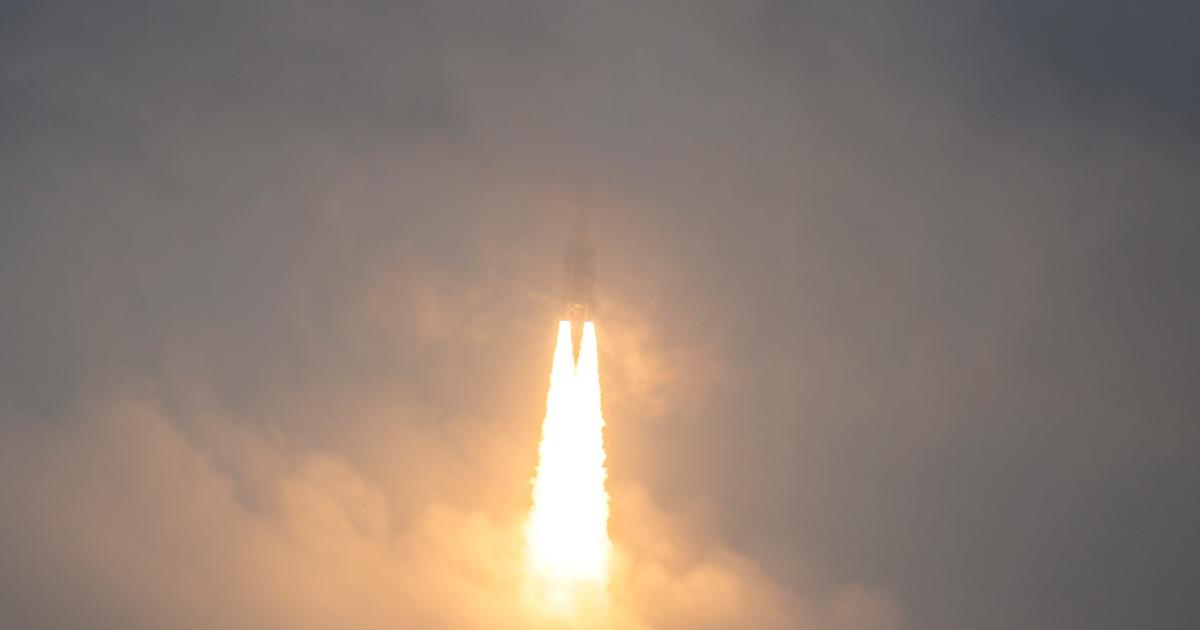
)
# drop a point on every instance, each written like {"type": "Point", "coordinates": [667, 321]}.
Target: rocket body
{"type": "Point", "coordinates": [580, 282]}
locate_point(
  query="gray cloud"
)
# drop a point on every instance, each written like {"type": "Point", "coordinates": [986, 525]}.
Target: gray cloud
{"type": "Point", "coordinates": [897, 309]}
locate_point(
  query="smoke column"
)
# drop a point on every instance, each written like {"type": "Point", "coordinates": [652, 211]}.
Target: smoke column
{"type": "Point", "coordinates": [567, 545]}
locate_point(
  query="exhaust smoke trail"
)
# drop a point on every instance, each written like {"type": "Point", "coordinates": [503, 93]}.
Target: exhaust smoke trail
{"type": "Point", "coordinates": [567, 545]}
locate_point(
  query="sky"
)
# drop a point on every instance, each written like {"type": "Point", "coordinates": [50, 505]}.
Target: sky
{"type": "Point", "coordinates": [897, 309]}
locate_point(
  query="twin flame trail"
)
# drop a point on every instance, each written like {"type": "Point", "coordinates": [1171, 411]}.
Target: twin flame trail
{"type": "Point", "coordinates": [567, 546]}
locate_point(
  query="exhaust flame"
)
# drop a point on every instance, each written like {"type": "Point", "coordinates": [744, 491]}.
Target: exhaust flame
{"type": "Point", "coordinates": [567, 544]}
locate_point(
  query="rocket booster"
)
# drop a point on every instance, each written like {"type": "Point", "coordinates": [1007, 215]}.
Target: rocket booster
{"type": "Point", "coordinates": [580, 281]}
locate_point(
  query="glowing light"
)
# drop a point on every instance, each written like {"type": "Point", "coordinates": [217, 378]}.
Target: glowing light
{"type": "Point", "coordinates": [567, 545]}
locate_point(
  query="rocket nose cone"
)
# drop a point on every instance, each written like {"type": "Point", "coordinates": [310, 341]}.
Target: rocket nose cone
{"type": "Point", "coordinates": [581, 222]}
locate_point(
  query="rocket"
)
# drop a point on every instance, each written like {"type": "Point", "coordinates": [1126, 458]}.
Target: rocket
{"type": "Point", "coordinates": [580, 281]}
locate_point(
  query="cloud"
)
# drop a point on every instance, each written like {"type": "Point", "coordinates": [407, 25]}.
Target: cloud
{"type": "Point", "coordinates": [895, 308]}
{"type": "Point", "coordinates": [120, 520]}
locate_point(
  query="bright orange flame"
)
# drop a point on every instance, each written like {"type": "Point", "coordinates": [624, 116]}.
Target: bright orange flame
{"type": "Point", "coordinates": [567, 546]}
